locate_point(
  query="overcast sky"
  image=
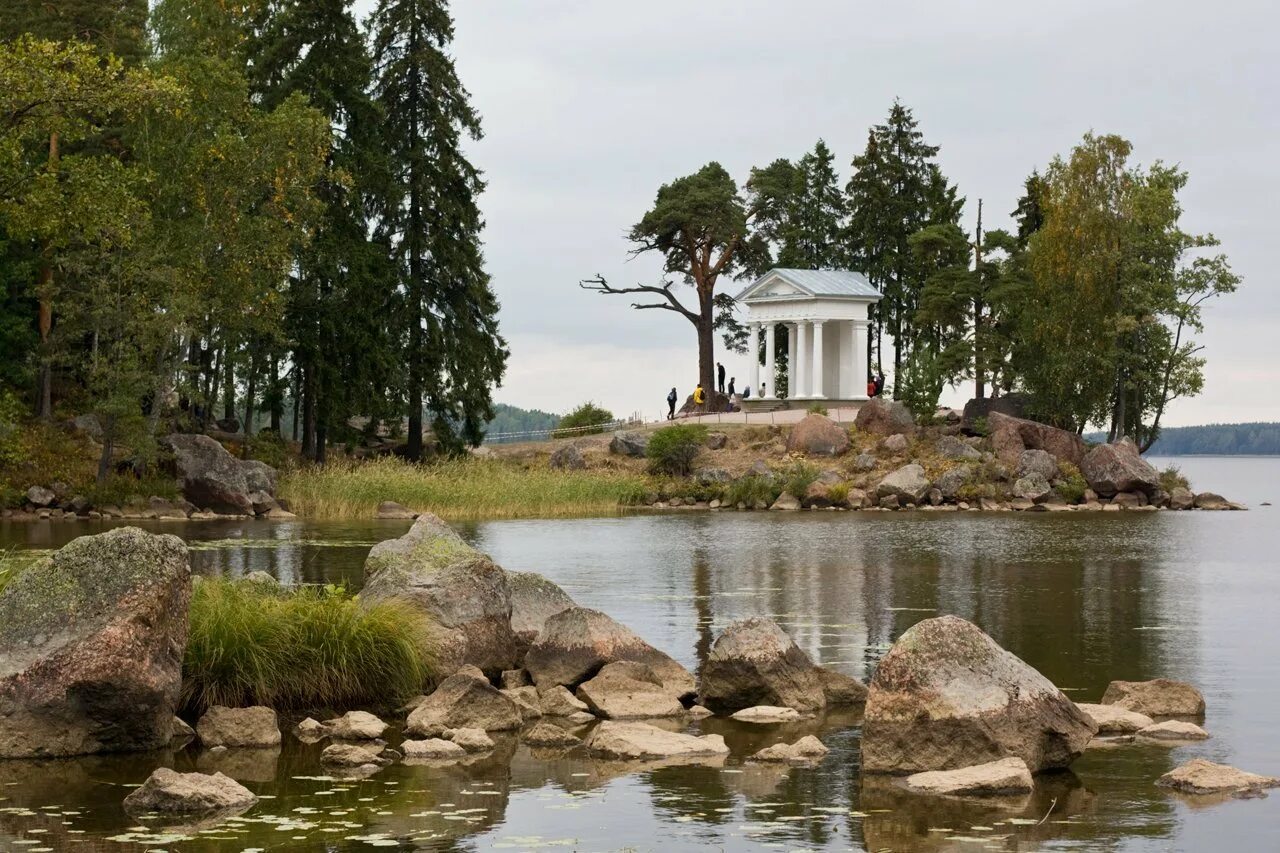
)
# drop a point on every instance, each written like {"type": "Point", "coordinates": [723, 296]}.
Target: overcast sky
{"type": "Point", "coordinates": [589, 107]}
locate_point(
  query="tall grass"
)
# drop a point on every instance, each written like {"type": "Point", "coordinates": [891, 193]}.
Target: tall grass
{"type": "Point", "coordinates": [254, 643]}
{"type": "Point", "coordinates": [463, 489]}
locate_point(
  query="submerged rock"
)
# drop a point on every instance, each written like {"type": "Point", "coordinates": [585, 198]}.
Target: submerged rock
{"type": "Point", "coordinates": [351, 755]}
{"type": "Point", "coordinates": [576, 643]}
{"type": "Point", "coordinates": [995, 778]}
{"type": "Point", "coordinates": [466, 594]}
{"type": "Point", "coordinates": [840, 689]}
{"type": "Point", "coordinates": [171, 792]}
{"type": "Point", "coordinates": [805, 750]}
{"type": "Point", "coordinates": [1160, 697]}
{"type": "Point", "coordinates": [310, 731]}
{"type": "Point", "coordinates": [1199, 776]}
{"type": "Point", "coordinates": [472, 740]}
{"type": "Point", "coordinates": [462, 701]}
{"type": "Point", "coordinates": [947, 696]}
{"type": "Point", "coordinates": [626, 690]}
{"type": "Point", "coordinates": [433, 748]}
{"type": "Point", "coordinates": [1173, 730]}
{"type": "Point", "coordinates": [640, 740]}
{"type": "Point", "coordinates": [239, 727]}
{"type": "Point", "coordinates": [755, 662]}
{"type": "Point", "coordinates": [766, 715]}
{"type": "Point", "coordinates": [1112, 719]}
{"type": "Point", "coordinates": [91, 646]}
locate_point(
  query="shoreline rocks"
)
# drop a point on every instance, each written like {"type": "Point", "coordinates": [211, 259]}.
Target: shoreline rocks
{"type": "Point", "coordinates": [633, 741]}
{"type": "Point", "coordinates": [625, 690]}
{"type": "Point", "coordinates": [255, 727]}
{"type": "Point", "coordinates": [1160, 697]}
{"type": "Point", "coordinates": [462, 701]}
{"type": "Point", "coordinates": [170, 792]}
{"type": "Point", "coordinates": [804, 751]}
{"type": "Point", "coordinates": [947, 696]}
{"type": "Point", "coordinates": [1202, 777]}
{"type": "Point", "coordinates": [754, 662]}
{"type": "Point", "coordinates": [91, 646]}
{"type": "Point", "coordinates": [995, 778]}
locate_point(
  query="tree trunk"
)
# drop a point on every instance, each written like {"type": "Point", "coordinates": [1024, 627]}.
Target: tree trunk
{"type": "Point", "coordinates": [250, 389]}
{"type": "Point", "coordinates": [297, 399]}
{"type": "Point", "coordinates": [108, 448]}
{"type": "Point", "coordinates": [979, 363]}
{"type": "Point", "coordinates": [416, 285]}
{"type": "Point", "coordinates": [308, 412]}
{"type": "Point", "coordinates": [44, 388]}
{"type": "Point", "coordinates": [228, 385]}
{"type": "Point", "coordinates": [277, 395]}
{"type": "Point", "coordinates": [322, 438]}
{"type": "Point", "coordinates": [707, 341]}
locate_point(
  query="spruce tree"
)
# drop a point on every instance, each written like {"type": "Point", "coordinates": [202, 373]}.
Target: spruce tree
{"type": "Point", "coordinates": [453, 350]}
{"type": "Point", "coordinates": [118, 27]}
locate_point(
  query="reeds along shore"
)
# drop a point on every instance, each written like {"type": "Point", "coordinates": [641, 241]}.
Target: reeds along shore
{"type": "Point", "coordinates": [458, 490]}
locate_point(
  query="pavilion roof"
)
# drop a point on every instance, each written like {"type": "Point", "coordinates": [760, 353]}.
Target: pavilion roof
{"type": "Point", "coordinates": [838, 283]}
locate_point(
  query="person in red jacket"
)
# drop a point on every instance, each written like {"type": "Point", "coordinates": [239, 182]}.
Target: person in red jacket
{"type": "Point", "coordinates": [871, 387]}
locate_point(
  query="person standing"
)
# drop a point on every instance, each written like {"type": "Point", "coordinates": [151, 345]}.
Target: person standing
{"type": "Point", "coordinates": [671, 405]}
{"type": "Point", "coordinates": [879, 384]}
{"type": "Point", "coordinates": [732, 379]}
{"type": "Point", "coordinates": [720, 376]}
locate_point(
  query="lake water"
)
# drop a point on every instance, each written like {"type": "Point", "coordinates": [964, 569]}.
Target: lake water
{"type": "Point", "coordinates": [1085, 598]}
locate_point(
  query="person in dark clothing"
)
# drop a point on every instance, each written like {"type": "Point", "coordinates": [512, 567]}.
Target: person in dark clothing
{"type": "Point", "coordinates": [879, 384]}
{"type": "Point", "coordinates": [732, 379]}
{"type": "Point", "coordinates": [671, 405]}
{"type": "Point", "coordinates": [720, 376]}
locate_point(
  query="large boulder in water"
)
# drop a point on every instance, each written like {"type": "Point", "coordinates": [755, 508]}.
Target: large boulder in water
{"type": "Point", "coordinates": [1160, 697]}
{"type": "Point", "coordinates": [465, 593]}
{"type": "Point", "coordinates": [754, 662]}
{"type": "Point", "coordinates": [818, 435]}
{"type": "Point", "coordinates": [171, 792]}
{"type": "Point", "coordinates": [885, 417]}
{"type": "Point", "coordinates": [91, 646]}
{"type": "Point", "coordinates": [947, 696]}
{"type": "Point", "coordinates": [534, 600]}
{"type": "Point", "coordinates": [575, 644]}
{"type": "Point", "coordinates": [1011, 436]}
{"type": "Point", "coordinates": [213, 479]}
{"type": "Point", "coordinates": [464, 702]}
{"type": "Point", "coordinates": [1113, 468]}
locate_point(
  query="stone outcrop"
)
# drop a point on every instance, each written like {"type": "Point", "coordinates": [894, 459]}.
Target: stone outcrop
{"type": "Point", "coordinates": [633, 444]}
{"type": "Point", "coordinates": [576, 643]}
{"type": "Point", "coordinates": [979, 410]}
{"type": "Point", "coordinates": [534, 600]}
{"type": "Point", "coordinates": [755, 662]}
{"type": "Point", "coordinates": [567, 458]}
{"type": "Point", "coordinates": [310, 731]}
{"type": "Point", "coordinates": [91, 646]}
{"type": "Point", "coordinates": [255, 727]}
{"type": "Point", "coordinates": [947, 696]}
{"type": "Point", "coordinates": [1211, 501]}
{"type": "Point", "coordinates": [1161, 697]}
{"type": "Point", "coordinates": [356, 725]}
{"type": "Point", "coordinates": [804, 751]}
{"type": "Point", "coordinates": [995, 778]}
{"type": "Point", "coordinates": [1113, 468]}
{"type": "Point", "coordinates": [818, 435]}
{"type": "Point", "coordinates": [1173, 730]}
{"type": "Point", "coordinates": [462, 701]}
{"type": "Point", "coordinates": [1011, 436]}
{"type": "Point", "coordinates": [908, 483]}
{"type": "Point", "coordinates": [885, 417]}
{"type": "Point", "coordinates": [1205, 777]}
{"type": "Point", "coordinates": [633, 741]}
{"type": "Point", "coordinates": [466, 594]}
{"type": "Point", "coordinates": [170, 792]}
{"type": "Point", "coordinates": [626, 690]}
{"type": "Point", "coordinates": [1112, 719]}
{"type": "Point", "coordinates": [213, 479]}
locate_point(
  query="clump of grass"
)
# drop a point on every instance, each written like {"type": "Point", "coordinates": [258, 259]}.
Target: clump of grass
{"type": "Point", "coordinates": [797, 479]}
{"type": "Point", "coordinates": [458, 489]}
{"type": "Point", "coordinates": [838, 494]}
{"type": "Point", "coordinates": [751, 490]}
{"type": "Point", "coordinates": [8, 569]}
{"type": "Point", "coordinates": [817, 409]}
{"type": "Point", "coordinates": [976, 491]}
{"type": "Point", "coordinates": [672, 450]}
{"type": "Point", "coordinates": [1172, 478]}
{"type": "Point", "coordinates": [120, 489]}
{"type": "Point", "coordinates": [258, 644]}
{"type": "Point", "coordinates": [1071, 483]}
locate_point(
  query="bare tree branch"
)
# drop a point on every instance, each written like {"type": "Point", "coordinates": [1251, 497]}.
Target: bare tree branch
{"type": "Point", "coordinates": [600, 285]}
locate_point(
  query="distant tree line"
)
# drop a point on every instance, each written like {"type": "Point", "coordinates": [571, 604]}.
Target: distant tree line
{"type": "Point", "coordinates": [509, 419]}
{"type": "Point", "coordinates": [242, 208]}
{"type": "Point", "coordinates": [1087, 303]}
{"type": "Point", "coordinates": [1253, 439]}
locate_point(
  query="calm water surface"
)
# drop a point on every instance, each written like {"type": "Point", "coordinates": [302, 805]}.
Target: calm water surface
{"type": "Point", "coordinates": [1084, 598]}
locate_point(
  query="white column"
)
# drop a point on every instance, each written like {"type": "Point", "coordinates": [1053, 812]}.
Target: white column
{"type": "Point", "coordinates": [860, 359]}
{"type": "Point", "coordinates": [753, 348]}
{"type": "Point", "coordinates": [792, 391]}
{"type": "Point", "coordinates": [803, 355]}
{"type": "Point", "coordinates": [818, 344]}
{"type": "Point", "coordinates": [770, 365]}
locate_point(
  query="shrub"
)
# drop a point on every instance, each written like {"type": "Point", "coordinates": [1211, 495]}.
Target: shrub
{"type": "Point", "coordinates": [797, 479]}
{"type": "Point", "coordinates": [838, 494]}
{"type": "Point", "coordinates": [1172, 478]}
{"type": "Point", "coordinates": [673, 450]}
{"type": "Point", "coordinates": [817, 409]}
{"type": "Point", "coordinates": [587, 419]}
{"type": "Point", "coordinates": [268, 447]}
{"type": "Point", "coordinates": [980, 426]}
{"type": "Point", "coordinates": [1071, 483]}
{"type": "Point", "coordinates": [974, 491]}
{"type": "Point", "coordinates": [256, 643]}
{"type": "Point", "coordinates": [750, 490]}
{"type": "Point", "coordinates": [120, 489]}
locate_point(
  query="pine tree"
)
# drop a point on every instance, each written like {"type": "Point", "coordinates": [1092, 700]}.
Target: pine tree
{"type": "Point", "coordinates": [896, 190]}
{"type": "Point", "coordinates": [342, 292]}
{"type": "Point", "coordinates": [452, 346]}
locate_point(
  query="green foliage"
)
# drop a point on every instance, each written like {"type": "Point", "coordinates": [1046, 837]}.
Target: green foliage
{"type": "Point", "coordinates": [838, 494]}
{"type": "Point", "coordinates": [269, 447]}
{"type": "Point", "coordinates": [587, 419]}
{"type": "Point", "coordinates": [817, 409]}
{"type": "Point", "coordinates": [508, 419]}
{"type": "Point", "coordinates": [122, 489]}
{"type": "Point", "coordinates": [1071, 484]}
{"type": "Point", "coordinates": [11, 416]}
{"type": "Point", "coordinates": [1172, 478]}
{"type": "Point", "coordinates": [798, 477]}
{"type": "Point", "coordinates": [750, 490]}
{"type": "Point", "coordinates": [974, 491]}
{"type": "Point", "coordinates": [256, 644]}
{"type": "Point", "coordinates": [673, 450]}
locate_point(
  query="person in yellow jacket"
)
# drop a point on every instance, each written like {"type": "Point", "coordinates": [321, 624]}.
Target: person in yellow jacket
{"type": "Point", "coordinates": [699, 396]}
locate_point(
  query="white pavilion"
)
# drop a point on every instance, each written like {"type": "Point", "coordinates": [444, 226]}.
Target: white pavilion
{"type": "Point", "coordinates": [825, 312]}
